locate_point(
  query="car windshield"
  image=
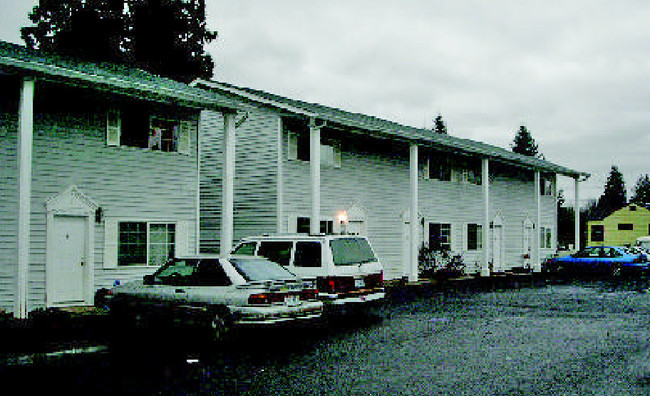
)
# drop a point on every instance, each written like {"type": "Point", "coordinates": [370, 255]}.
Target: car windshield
{"type": "Point", "coordinates": [259, 269]}
{"type": "Point", "coordinates": [349, 251]}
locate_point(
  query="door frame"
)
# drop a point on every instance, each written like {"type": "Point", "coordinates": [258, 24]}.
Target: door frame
{"type": "Point", "coordinates": [70, 203]}
{"type": "Point", "coordinates": [497, 224]}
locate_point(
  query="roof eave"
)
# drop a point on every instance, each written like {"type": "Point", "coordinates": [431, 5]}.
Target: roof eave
{"type": "Point", "coordinates": [113, 84]}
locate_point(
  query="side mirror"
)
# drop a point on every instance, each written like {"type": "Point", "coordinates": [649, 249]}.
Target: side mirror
{"type": "Point", "coordinates": [148, 280]}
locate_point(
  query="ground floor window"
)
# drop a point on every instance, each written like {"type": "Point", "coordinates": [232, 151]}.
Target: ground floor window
{"type": "Point", "coordinates": [440, 236]}
{"type": "Point", "coordinates": [474, 237]}
{"type": "Point", "coordinates": [598, 233]}
{"type": "Point", "coordinates": [303, 225]}
{"type": "Point", "coordinates": [145, 243]}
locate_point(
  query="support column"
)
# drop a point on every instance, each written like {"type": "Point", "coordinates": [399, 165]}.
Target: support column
{"type": "Point", "coordinates": [314, 166]}
{"type": "Point", "coordinates": [25, 148]}
{"type": "Point", "coordinates": [228, 181]}
{"type": "Point", "coordinates": [281, 222]}
{"type": "Point", "coordinates": [576, 210]}
{"type": "Point", "coordinates": [413, 221]}
{"type": "Point", "coordinates": [485, 180]}
{"type": "Point", "coordinates": [537, 262]}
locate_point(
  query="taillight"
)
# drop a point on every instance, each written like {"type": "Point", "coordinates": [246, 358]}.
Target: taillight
{"type": "Point", "coordinates": [259, 299]}
{"type": "Point", "coordinates": [309, 294]}
{"type": "Point", "coordinates": [639, 259]}
{"type": "Point", "coordinates": [336, 284]}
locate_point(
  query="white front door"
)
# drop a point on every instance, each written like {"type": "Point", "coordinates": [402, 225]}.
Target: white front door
{"type": "Point", "coordinates": [68, 260]}
{"type": "Point", "coordinates": [497, 248]}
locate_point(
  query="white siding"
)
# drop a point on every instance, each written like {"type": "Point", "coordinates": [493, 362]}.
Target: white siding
{"type": "Point", "coordinates": [512, 197]}
{"type": "Point", "coordinates": [255, 176]}
{"type": "Point", "coordinates": [8, 209]}
{"type": "Point", "coordinates": [374, 175]}
{"type": "Point", "coordinates": [376, 179]}
{"type": "Point", "coordinates": [70, 149]}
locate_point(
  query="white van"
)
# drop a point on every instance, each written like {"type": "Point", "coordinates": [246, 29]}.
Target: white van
{"type": "Point", "coordinates": [345, 267]}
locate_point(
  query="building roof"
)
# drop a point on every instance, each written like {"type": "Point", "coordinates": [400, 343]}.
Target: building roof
{"type": "Point", "coordinates": [104, 76]}
{"type": "Point", "coordinates": [385, 128]}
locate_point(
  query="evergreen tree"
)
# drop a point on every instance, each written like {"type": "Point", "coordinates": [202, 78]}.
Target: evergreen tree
{"type": "Point", "coordinates": [614, 196]}
{"type": "Point", "coordinates": [439, 125]}
{"type": "Point", "coordinates": [165, 37]}
{"type": "Point", "coordinates": [641, 191]}
{"type": "Point", "coordinates": [524, 143]}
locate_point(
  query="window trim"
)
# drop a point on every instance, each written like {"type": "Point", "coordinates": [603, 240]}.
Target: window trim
{"type": "Point", "coordinates": [479, 237]}
{"type": "Point", "coordinates": [187, 127]}
{"type": "Point", "coordinates": [148, 242]}
{"type": "Point", "coordinates": [112, 235]}
{"type": "Point", "coordinates": [546, 235]}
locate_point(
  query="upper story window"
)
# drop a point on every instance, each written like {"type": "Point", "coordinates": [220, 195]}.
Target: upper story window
{"type": "Point", "coordinates": [546, 185]}
{"type": "Point", "coordinates": [447, 168]}
{"type": "Point", "coordinates": [299, 148]}
{"type": "Point", "coordinates": [137, 126]}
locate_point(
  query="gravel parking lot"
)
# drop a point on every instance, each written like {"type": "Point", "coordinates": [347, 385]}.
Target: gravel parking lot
{"type": "Point", "coordinates": [563, 339]}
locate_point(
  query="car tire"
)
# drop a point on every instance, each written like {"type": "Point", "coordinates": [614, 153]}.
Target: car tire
{"type": "Point", "coordinates": [616, 270]}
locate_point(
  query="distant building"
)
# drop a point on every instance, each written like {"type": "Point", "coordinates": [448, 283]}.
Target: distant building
{"type": "Point", "coordinates": [621, 227]}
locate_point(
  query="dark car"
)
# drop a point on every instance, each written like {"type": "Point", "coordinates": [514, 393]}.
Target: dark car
{"type": "Point", "coordinates": [598, 260]}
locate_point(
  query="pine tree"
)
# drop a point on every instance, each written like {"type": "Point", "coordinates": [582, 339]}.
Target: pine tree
{"type": "Point", "coordinates": [614, 196]}
{"type": "Point", "coordinates": [641, 191]}
{"type": "Point", "coordinates": [524, 143]}
{"type": "Point", "coordinates": [165, 37]}
{"type": "Point", "coordinates": [439, 125]}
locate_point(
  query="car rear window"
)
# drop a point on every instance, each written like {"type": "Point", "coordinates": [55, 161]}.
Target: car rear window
{"type": "Point", "coordinates": [176, 268]}
{"type": "Point", "coordinates": [206, 272]}
{"type": "Point", "coordinates": [349, 251]}
{"type": "Point", "coordinates": [278, 252]}
{"type": "Point", "coordinates": [259, 269]}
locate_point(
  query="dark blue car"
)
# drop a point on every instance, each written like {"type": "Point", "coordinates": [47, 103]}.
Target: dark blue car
{"type": "Point", "coordinates": [599, 260]}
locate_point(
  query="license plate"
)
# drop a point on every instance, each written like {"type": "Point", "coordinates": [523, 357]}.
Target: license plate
{"type": "Point", "coordinates": [292, 300]}
{"type": "Point", "coordinates": [359, 283]}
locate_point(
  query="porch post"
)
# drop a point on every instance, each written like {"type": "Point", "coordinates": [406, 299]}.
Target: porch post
{"type": "Point", "coordinates": [576, 210]}
{"type": "Point", "coordinates": [314, 166]}
{"type": "Point", "coordinates": [25, 147]}
{"type": "Point", "coordinates": [281, 222]}
{"type": "Point", "coordinates": [537, 264]}
{"type": "Point", "coordinates": [485, 180]}
{"type": "Point", "coordinates": [413, 221]}
{"type": "Point", "coordinates": [228, 182]}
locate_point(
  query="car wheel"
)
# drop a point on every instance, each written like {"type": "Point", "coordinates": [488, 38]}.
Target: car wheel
{"type": "Point", "coordinates": [616, 270]}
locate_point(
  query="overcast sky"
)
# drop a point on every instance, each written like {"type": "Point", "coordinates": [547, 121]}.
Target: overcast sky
{"type": "Point", "coordinates": [575, 73]}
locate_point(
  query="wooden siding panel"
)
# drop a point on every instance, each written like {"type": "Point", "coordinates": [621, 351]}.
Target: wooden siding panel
{"type": "Point", "coordinates": [378, 182]}
{"type": "Point", "coordinates": [255, 176]}
{"type": "Point", "coordinates": [8, 210]}
{"type": "Point", "coordinates": [126, 182]}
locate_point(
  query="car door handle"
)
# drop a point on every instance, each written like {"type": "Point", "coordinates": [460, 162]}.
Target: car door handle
{"type": "Point", "coordinates": [180, 291]}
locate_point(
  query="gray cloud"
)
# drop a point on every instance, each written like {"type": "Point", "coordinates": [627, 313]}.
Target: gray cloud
{"type": "Point", "coordinates": [575, 73]}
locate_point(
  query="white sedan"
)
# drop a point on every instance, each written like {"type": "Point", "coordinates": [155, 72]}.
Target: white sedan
{"type": "Point", "coordinates": [238, 291]}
